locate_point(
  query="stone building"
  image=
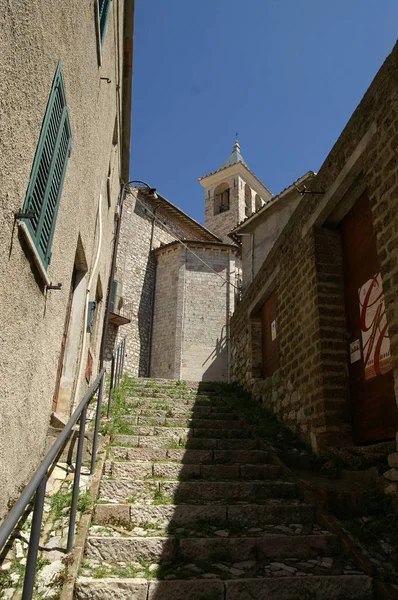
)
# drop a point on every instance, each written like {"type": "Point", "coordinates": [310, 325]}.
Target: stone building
{"type": "Point", "coordinates": [258, 232]}
{"type": "Point", "coordinates": [315, 336]}
{"type": "Point", "coordinates": [177, 282]}
{"type": "Point", "coordinates": [232, 193]}
{"type": "Point", "coordinates": [174, 292]}
{"type": "Point", "coordinates": [65, 88]}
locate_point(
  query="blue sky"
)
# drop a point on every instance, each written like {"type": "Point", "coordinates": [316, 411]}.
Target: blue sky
{"type": "Point", "coordinates": [285, 74]}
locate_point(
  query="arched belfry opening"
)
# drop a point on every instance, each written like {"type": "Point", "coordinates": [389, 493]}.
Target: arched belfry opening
{"type": "Point", "coordinates": [221, 198]}
{"type": "Point", "coordinates": [248, 201]}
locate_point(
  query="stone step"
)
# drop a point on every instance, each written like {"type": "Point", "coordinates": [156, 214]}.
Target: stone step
{"type": "Point", "coordinates": [166, 549]}
{"type": "Point", "coordinates": [164, 442]}
{"type": "Point", "coordinates": [165, 402]}
{"type": "Point", "coordinates": [185, 432]}
{"type": "Point", "coordinates": [342, 587]}
{"type": "Point", "coordinates": [182, 422]}
{"type": "Point", "coordinates": [354, 587]}
{"type": "Point", "coordinates": [195, 492]}
{"type": "Point", "coordinates": [168, 470]}
{"type": "Point", "coordinates": [153, 454]}
{"type": "Point", "coordinates": [253, 516]}
{"type": "Point", "coordinates": [197, 412]}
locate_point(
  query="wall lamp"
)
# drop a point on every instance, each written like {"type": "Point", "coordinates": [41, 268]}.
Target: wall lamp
{"type": "Point", "coordinates": [153, 195]}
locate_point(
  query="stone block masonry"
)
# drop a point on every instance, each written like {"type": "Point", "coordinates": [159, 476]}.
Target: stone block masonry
{"type": "Point", "coordinates": [192, 309]}
{"type": "Point", "coordinates": [310, 391]}
{"type": "Point", "coordinates": [136, 277]}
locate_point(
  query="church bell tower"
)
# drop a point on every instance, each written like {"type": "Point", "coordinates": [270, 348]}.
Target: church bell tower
{"type": "Point", "coordinates": [232, 193]}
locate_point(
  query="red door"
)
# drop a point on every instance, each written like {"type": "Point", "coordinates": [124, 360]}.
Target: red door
{"type": "Point", "coordinates": [374, 408]}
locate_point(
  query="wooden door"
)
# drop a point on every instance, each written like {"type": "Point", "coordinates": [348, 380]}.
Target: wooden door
{"type": "Point", "coordinates": [269, 336]}
{"type": "Point", "coordinates": [374, 408]}
{"type": "Point", "coordinates": [64, 338]}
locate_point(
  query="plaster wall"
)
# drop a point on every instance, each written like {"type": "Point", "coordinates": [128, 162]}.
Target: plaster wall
{"type": "Point", "coordinates": [262, 234]}
{"type": "Point", "coordinates": [31, 44]}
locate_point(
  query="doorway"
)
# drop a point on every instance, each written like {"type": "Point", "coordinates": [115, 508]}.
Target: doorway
{"type": "Point", "coordinates": [373, 403]}
{"type": "Point", "coordinates": [71, 336]}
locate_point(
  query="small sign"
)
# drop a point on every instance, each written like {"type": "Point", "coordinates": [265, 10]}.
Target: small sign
{"type": "Point", "coordinates": [273, 330]}
{"type": "Point", "coordinates": [355, 351]}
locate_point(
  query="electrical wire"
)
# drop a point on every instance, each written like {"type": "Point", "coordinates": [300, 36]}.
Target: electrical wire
{"type": "Point", "coordinates": [181, 242]}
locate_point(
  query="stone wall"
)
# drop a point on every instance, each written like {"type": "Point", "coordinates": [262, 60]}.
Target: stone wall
{"type": "Point", "coordinates": [310, 390]}
{"type": "Point", "coordinates": [136, 266]}
{"type": "Point", "coordinates": [208, 304]}
{"type": "Point", "coordinates": [193, 304]}
{"type": "Point", "coordinates": [168, 311]}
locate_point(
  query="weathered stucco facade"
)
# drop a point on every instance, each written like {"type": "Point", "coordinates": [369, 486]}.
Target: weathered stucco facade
{"type": "Point", "coordinates": [97, 81]}
{"type": "Point", "coordinates": [307, 273]}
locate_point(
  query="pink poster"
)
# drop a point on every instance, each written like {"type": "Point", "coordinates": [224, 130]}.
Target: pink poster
{"type": "Point", "coordinates": [374, 329]}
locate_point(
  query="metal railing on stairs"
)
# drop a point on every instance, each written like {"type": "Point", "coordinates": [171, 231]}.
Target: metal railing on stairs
{"type": "Point", "coordinates": [117, 366]}
{"type": "Point", "coordinates": [37, 485]}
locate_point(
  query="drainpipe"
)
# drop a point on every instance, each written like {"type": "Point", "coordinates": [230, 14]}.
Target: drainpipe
{"type": "Point", "coordinates": [113, 264]}
{"type": "Point", "coordinates": [153, 293]}
{"type": "Point", "coordinates": [228, 316]}
{"type": "Point", "coordinates": [252, 255]}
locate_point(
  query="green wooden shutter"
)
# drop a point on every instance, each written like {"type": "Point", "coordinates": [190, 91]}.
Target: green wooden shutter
{"type": "Point", "coordinates": [103, 7]}
{"type": "Point", "coordinates": [48, 171]}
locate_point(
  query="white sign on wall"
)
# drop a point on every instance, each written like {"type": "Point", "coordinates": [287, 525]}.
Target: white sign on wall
{"type": "Point", "coordinates": [273, 330]}
{"type": "Point", "coordinates": [355, 351]}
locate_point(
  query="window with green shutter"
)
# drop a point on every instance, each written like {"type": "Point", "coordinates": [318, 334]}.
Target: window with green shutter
{"type": "Point", "coordinates": [48, 171]}
{"type": "Point", "coordinates": [103, 8]}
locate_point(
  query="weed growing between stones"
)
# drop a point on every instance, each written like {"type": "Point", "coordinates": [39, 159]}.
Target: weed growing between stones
{"type": "Point", "coordinates": [120, 406]}
{"type": "Point", "coordinates": [160, 497]}
{"type": "Point", "coordinates": [175, 444]}
{"type": "Point", "coordinates": [61, 502]}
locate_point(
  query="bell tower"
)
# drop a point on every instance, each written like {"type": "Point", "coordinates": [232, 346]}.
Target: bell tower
{"type": "Point", "coordinates": [232, 193]}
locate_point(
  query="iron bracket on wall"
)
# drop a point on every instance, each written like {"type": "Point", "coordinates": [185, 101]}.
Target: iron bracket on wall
{"type": "Point", "coordinates": [304, 190]}
{"type": "Point", "coordinates": [54, 287]}
{"type": "Point", "coordinates": [24, 215]}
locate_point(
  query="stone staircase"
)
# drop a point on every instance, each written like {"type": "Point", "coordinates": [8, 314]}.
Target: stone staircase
{"type": "Point", "coordinates": [191, 507]}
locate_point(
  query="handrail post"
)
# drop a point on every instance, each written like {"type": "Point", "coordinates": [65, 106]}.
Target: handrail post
{"type": "Point", "coordinates": [117, 367]}
{"type": "Point", "coordinates": [123, 354]}
{"type": "Point", "coordinates": [34, 540]}
{"type": "Point", "coordinates": [97, 423]}
{"type": "Point", "coordinates": [120, 363]}
{"type": "Point", "coordinates": [121, 360]}
{"type": "Point", "coordinates": [76, 480]}
{"type": "Point", "coordinates": [108, 413]}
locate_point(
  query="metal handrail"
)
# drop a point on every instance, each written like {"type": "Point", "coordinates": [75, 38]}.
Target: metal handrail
{"type": "Point", "coordinates": [37, 484]}
{"type": "Point", "coordinates": [117, 366]}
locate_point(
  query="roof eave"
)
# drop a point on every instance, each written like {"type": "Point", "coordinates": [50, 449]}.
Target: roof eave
{"type": "Point", "coordinates": [127, 78]}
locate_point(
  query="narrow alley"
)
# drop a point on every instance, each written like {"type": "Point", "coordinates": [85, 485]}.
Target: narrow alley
{"type": "Point", "coordinates": [190, 506]}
